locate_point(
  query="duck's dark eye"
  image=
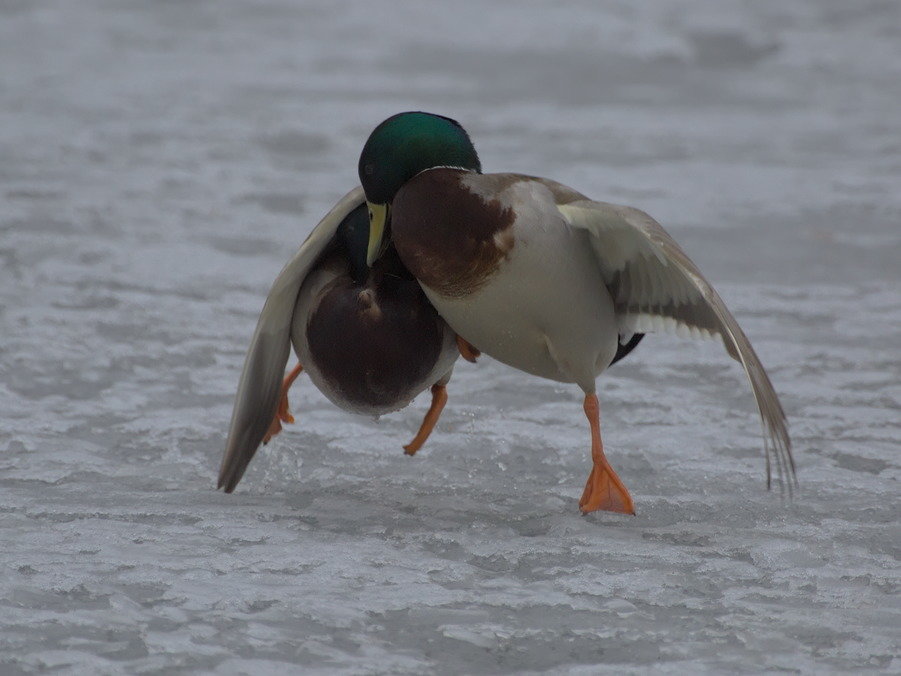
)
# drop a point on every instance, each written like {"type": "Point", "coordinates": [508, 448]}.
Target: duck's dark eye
{"type": "Point", "coordinates": [369, 170]}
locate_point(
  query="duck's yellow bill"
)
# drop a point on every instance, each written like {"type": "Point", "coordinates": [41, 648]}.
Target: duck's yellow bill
{"type": "Point", "coordinates": [378, 220]}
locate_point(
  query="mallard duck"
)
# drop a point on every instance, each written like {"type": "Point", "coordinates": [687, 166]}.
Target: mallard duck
{"type": "Point", "coordinates": [540, 277]}
{"type": "Point", "coordinates": [367, 337]}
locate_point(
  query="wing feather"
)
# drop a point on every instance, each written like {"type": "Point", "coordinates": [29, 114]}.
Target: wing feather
{"type": "Point", "coordinates": [264, 366]}
{"type": "Point", "coordinates": [656, 286]}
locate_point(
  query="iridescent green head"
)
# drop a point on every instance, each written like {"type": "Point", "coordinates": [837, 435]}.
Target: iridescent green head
{"type": "Point", "coordinates": [398, 149]}
{"type": "Point", "coordinates": [407, 143]}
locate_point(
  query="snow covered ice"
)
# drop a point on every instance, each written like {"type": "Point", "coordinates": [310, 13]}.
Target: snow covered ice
{"type": "Point", "coordinates": [159, 162]}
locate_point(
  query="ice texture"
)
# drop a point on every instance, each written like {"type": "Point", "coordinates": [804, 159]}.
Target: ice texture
{"type": "Point", "coordinates": [160, 161]}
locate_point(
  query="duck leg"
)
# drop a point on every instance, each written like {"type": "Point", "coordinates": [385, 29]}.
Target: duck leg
{"type": "Point", "coordinates": [282, 414]}
{"type": "Point", "coordinates": [467, 351]}
{"type": "Point", "coordinates": [604, 489]}
{"type": "Point", "coordinates": [439, 399]}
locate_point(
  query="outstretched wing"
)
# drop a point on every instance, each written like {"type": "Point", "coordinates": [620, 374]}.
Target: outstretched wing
{"type": "Point", "coordinates": [264, 366]}
{"type": "Point", "coordinates": [655, 286]}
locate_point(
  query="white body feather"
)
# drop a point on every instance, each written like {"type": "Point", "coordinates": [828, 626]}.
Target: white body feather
{"type": "Point", "coordinates": [549, 319]}
{"type": "Point", "coordinates": [579, 274]}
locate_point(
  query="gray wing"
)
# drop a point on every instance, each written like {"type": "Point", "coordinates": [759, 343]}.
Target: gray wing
{"type": "Point", "coordinates": [264, 366]}
{"type": "Point", "coordinates": [655, 286]}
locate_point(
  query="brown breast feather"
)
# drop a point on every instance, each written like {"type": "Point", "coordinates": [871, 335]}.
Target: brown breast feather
{"type": "Point", "coordinates": [374, 342]}
{"type": "Point", "coordinates": [451, 238]}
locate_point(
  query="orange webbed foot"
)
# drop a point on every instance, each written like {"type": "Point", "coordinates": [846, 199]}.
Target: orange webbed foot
{"type": "Point", "coordinates": [605, 490]}
{"type": "Point", "coordinates": [283, 413]}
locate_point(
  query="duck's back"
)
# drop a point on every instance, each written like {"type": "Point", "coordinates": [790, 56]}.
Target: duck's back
{"type": "Point", "coordinates": [370, 347]}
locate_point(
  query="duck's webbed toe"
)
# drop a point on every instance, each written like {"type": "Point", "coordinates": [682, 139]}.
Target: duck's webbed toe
{"type": "Point", "coordinates": [283, 413]}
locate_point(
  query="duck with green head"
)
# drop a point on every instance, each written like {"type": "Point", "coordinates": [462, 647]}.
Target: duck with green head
{"type": "Point", "coordinates": [367, 337]}
{"type": "Point", "coordinates": [540, 277]}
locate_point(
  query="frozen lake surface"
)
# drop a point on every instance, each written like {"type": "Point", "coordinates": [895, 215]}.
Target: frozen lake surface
{"type": "Point", "coordinates": [160, 161]}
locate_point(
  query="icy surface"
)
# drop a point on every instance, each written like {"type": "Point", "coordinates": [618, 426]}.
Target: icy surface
{"type": "Point", "coordinates": [160, 161]}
